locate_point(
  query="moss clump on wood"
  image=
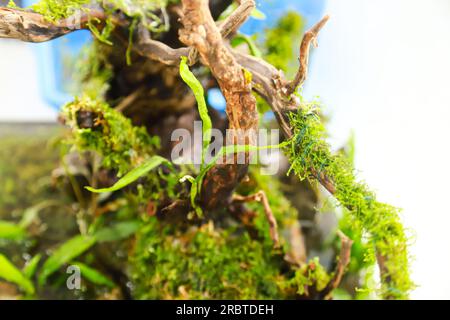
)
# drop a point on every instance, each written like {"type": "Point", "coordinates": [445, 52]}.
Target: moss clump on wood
{"type": "Point", "coordinates": [97, 127]}
{"type": "Point", "coordinates": [311, 158]}
{"type": "Point", "coordinates": [203, 263]}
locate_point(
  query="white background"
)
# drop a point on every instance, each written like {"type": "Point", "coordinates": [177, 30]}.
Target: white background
{"type": "Point", "coordinates": [382, 69]}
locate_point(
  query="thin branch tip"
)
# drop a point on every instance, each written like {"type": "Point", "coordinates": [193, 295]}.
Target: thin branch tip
{"type": "Point", "coordinates": [309, 38]}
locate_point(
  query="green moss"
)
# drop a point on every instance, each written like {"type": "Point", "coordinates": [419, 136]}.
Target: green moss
{"type": "Point", "coordinates": [12, 5]}
{"type": "Point", "coordinates": [283, 211]}
{"type": "Point", "coordinates": [54, 10]}
{"type": "Point", "coordinates": [144, 11]}
{"type": "Point", "coordinates": [203, 263]}
{"type": "Point", "coordinates": [97, 127]}
{"type": "Point", "coordinates": [310, 275]}
{"type": "Point", "coordinates": [311, 157]}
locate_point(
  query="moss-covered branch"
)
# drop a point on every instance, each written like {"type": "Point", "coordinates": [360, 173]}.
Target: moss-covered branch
{"type": "Point", "coordinates": [312, 159]}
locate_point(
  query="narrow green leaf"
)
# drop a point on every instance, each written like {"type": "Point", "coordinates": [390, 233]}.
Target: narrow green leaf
{"type": "Point", "coordinates": [28, 216]}
{"type": "Point", "coordinates": [30, 269]}
{"type": "Point", "coordinates": [197, 183]}
{"type": "Point", "coordinates": [134, 174]}
{"type": "Point", "coordinates": [10, 273]}
{"type": "Point", "coordinates": [11, 231]}
{"type": "Point", "coordinates": [130, 40]}
{"type": "Point", "coordinates": [194, 192]}
{"type": "Point", "coordinates": [199, 94]}
{"type": "Point", "coordinates": [119, 231]}
{"type": "Point", "coordinates": [64, 254]}
{"type": "Point", "coordinates": [258, 14]}
{"type": "Point", "coordinates": [242, 38]}
{"type": "Point", "coordinates": [93, 275]}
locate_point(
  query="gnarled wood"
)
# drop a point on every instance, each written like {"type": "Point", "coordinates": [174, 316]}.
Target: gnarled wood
{"type": "Point", "coordinates": [201, 32]}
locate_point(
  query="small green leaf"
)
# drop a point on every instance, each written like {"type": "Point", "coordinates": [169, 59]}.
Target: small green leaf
{"type": "Point", "coordinates": [130, 40]}
{"type": "Point", "coordinates": [242, 38]}
{"type": "Point", "coordinates": [11, 231]}
{"type": "Point", "coordinates": [93, 275]}
{"type": "Point", "coordinates": [30, 269]}
{"type": "Point", "coordinates": [199, 94]}
{"type": "Point", "coordinates": [197, 182]}
{"type": "Point", "coordinates": [10, 273]}
{"type": "Point", "coordinates": [134, 174]}
{"type": "Point", "coordinates": [12, 5]}
{"type": "Point", "coordinates": [119, 231]}
{"type": "Point", "coordinates": [28, 216]}
{"type": "Point", "coordinates": [64, 254]}
{"type": "Point", "coordinates": [258, 14]}
{"type": "Point", "coordinates": [194, 191]}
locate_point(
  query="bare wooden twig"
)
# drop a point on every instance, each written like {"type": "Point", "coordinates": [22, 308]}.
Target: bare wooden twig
{"type": "Point", "coordinates": [297, 252]}
{"type": "Point", "coordinates": [201, 32]}
{"type": "Point", "coordinates": [260, 196]}
{"type": "Point", "coordinates": [309, 38]}
{"type": "Point", "coordinates": [342, 263]}
{"type": "Point", "coordinates": [236, 19]}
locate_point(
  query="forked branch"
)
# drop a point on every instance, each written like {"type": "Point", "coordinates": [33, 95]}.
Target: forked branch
{"type": "Point", "coordinates": [342, 263]}
{"type": "Point", "coordinates": [309, 38]}
{"type": "Point", "coordinates": [262, 198]}
{"type": "Point", "coordinates": [201, 33]}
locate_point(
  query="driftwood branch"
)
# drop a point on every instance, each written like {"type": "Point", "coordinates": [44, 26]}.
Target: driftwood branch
{"type": "Point", "coordinates": [29, 26]}
{"type": "Point", "coordinates": [32, 27]}
{"type": "Point", "coordinates": [233, 22]}
{"type": "Point", "coordinates": [229, 26]}
{"type": "Point", "coordinates": [226, 65]}
{"type": "Point", "coordinates": [309, 38]}
{"type": "Point", "coordinates": [201, 32]}
{"type": "Point", "coordinates": [261, 196]}
{"type": "Point", "coordinates": [342, 263]}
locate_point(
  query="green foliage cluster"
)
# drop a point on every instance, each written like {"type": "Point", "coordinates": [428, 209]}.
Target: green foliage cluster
{"type": "Point", "coordinates": [310, 275]}
{"type": "Point", "coordinates": [55, 10]}
{"type": "Point", "coordinates": [141, 10]}
{"type": "Point", "coordinates": [210, 262]}
{"type": "Point", "coordinates": [29, 201]}
{"type": "Point", "coordinates": [311, 158]}
{"type": "Point", "coordinates": [110, 134]}
{"type": "Point", "coordinates": [203, 263]}
{"type": "Point", "coordinates": [279, 50]}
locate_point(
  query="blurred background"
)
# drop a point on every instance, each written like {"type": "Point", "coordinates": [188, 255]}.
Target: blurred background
{"type": "Point", "coordinates": [382, 71]}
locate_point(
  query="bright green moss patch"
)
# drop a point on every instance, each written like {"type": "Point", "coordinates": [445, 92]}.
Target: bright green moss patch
{"type": "Point", "coordinates": [311, 157]}
{"type": "Point", "coordinates": [55, 10]}
{"type": "Point", "coordinates": [97, 127]}
{"type": "Point", "coordinates": [150, 13]}
{"type": "Point", "coordinates": [311, 274]}
{"type": "Point", "coordinates": [203, 263]}
{"type": "Point", "coordinates": [147, 11]}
